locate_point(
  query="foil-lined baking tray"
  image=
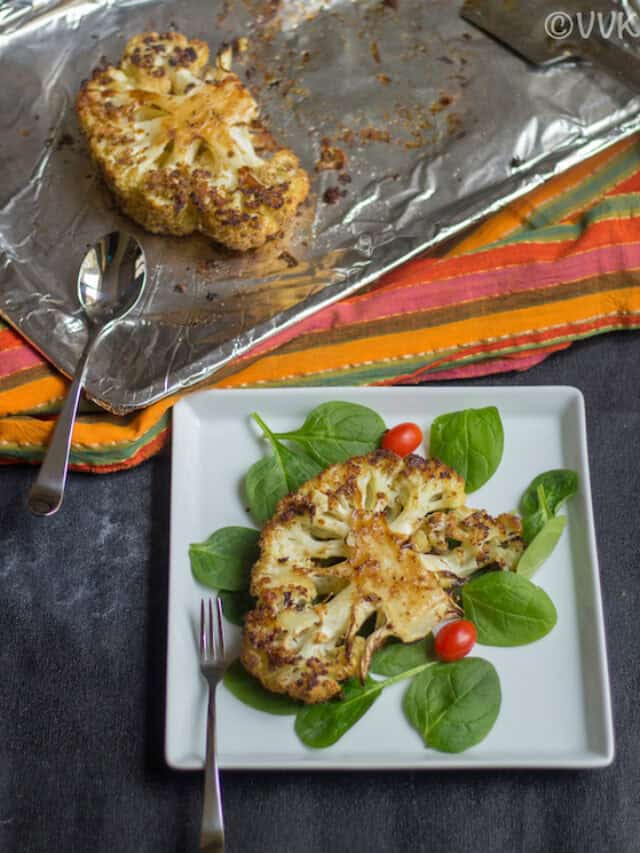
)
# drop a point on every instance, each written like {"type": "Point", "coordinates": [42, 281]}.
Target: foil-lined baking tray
{"type": "Point", "coordinates": [439, 125]}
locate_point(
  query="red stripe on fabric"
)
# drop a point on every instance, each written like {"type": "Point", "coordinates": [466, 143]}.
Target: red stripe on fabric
{"type": "Point", "coordinates": [629, 185]}
{"type": "Point", "coordinates": [574, 329]}
{"type": "Point", "coordinates": [17, 358]}
{"type": "Point", "coordinates": [496, 365]}
{"type": "Point", "coordinates": [607, 232]}
{"type": "Point", "coordinates": [10, 339]}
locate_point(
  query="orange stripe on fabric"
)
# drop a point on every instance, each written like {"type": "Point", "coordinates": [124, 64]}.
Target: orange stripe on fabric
{"type": "Point", "coordinates": [144, 453]}
{"type": "Point", "coordinates": [432, 340]}
{"type": "Point", "coordinates": [33, 394]}
{"type": "Point", "coordinates": [87, 434]}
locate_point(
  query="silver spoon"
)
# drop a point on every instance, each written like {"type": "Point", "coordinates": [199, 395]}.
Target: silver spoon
{"type": "Point", "coordinates": [110, 281]}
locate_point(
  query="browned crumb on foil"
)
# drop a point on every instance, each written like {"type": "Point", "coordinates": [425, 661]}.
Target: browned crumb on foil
{"type": "Point", "coordinates": [331, 157]}
{"type": "Point", "coordinates": [372, 134]}
{"type": "Point", "coordinates": [332, 195]}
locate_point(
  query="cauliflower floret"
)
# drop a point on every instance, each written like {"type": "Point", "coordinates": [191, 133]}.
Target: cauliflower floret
{"type": "Point", "coordinates": [468, 539]}
{"type": "Point", "coordinates": [181, 145]}
{"type": "Point", "coordinates": [375, 535]}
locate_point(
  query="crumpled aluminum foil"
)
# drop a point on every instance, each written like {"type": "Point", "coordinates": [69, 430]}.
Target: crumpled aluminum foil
{"type": "Point", "coordinates": [439, 123]}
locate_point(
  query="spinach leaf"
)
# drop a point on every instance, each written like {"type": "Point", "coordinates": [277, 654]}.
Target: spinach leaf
{"type": "Point", "coordinates": [544, 497]}
{"type": "Point", "coordinates": [273, 477]}
{"type": "Point", "coordinates": [507, 609]}
{"type": "Point", "coordinates": [541, 547]}
{"type": "Point", "coordinates": [225, 559]}
{"type": "Point", "coordinates": [322, 725]}
{"type": "Point", "coordinates": [396, 657]}
{"type": "Point", "coordinates": [235, 605]}
{"type": "Point", "coordinates": [336, 431]}
{"type": "Point", "coordinates": [248, 689]}
{"type": "Point", "coordinates": [453, 706]}
{"type": "Point", "coordinates": [471, 442]}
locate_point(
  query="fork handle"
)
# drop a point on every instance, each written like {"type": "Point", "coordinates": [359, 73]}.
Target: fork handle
{"type": "Point", "coordinates": [212, 829]}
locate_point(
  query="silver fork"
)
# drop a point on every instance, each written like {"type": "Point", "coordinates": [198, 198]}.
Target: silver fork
{"type": "Point", "coordinates": [212, 667]}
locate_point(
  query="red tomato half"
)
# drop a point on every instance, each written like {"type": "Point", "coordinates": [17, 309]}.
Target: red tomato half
{"type": "Point", "coordinates": [402, 439]}
{"type": "Point", "coordinates": [455, 640]}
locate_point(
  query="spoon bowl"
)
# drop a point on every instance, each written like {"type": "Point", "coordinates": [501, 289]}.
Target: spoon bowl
{"type": "Point", "coordinates": [111, 279]}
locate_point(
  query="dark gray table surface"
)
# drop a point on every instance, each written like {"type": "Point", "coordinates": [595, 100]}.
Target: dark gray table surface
{"type": "Point", "coordinates": [83, 601]}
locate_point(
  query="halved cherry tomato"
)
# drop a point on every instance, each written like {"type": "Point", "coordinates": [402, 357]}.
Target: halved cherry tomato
{"type": "Point", "coordinates": [455, 640]}
{"type": "Point", "coordinates": [402, 439]}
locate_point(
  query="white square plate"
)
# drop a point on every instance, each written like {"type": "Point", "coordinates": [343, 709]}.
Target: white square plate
{"type": "Point", "coordinates": [556, 707]}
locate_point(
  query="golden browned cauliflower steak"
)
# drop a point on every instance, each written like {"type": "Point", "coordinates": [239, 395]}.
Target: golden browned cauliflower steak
{"type": "Point", "coordinates": [181, 145]}
{"type": "Point", "coordinates": [377, 534]}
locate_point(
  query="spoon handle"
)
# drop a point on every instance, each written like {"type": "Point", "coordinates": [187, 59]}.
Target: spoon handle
{"type": "Point", "coordinates": [47, 492]}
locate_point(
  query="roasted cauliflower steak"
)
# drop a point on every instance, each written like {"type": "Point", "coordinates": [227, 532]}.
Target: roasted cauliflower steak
{"type": "Point", "coordinates": [181, 145]}
{"type": "Point", "coordinates": [378, 534]}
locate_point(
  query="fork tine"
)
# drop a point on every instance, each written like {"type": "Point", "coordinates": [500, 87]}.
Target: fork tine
{"type": "Point", "coordinates": [220, 632]}
{"type": "Point", "coordinates": [212, 639]}
{"type": "Point", "coordinates": [203, 630]}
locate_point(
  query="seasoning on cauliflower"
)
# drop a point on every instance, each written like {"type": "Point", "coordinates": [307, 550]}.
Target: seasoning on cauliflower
{"type": "Point", "coordinates": [377, 534]}
{"type": "Point", "coordinates": [182, 147]}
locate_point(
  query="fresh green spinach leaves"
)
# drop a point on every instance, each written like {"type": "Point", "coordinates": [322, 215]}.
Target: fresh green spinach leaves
{"type": "Point", "coordinates": [333, 432]}
{"type": "Point", "coordinates": [224, 560]}
{"type": "Point", "coordinates": [396, 657]}
{"type": "Point", "coordinates": [322, 725]}
{"type": "Point", "coordinates": [544, 497]}
{"type": "Point", "coordinates": [275, 476]}
{"type": "Point", "coordinates": [336, 431]}
{"type": "Point", "coordinates": [541, 527]}
{"type": "Point", "coordinates": [471, 442]}
{"type": "Point", "coordinates": [453, 706]}
{"type": "Point", "coordinates": [541, 546]}
{"type": "Point", "coordinates": [507, 609]}
{"type": "Point", "coordinates": [452, 710]}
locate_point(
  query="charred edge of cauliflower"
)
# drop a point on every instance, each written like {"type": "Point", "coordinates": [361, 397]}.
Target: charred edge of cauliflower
{"type": "Point", "coordinates": [182, 147]}
{"type": "Point", "coordinates": [375, 535]}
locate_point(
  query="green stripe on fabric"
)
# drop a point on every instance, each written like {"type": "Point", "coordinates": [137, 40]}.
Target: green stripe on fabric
{"type": "Point", "coordinates": [119, 452]}
{"type": "Point", "coordinates": [619, 168]}
{"type": "Point", "coordinates": [618, 207]}
{"type": "Point", "coordinates": [98, 457]}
